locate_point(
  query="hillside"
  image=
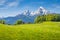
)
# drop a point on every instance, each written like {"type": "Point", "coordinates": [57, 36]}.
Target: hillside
{"type": "Point", "coordinates": [25, 16]}
{"type": "Point", "coordinates": [43, 31]}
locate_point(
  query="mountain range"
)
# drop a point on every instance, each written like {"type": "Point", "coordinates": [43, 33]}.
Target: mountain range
{"type": "Point", "coordinates": [26, 16]}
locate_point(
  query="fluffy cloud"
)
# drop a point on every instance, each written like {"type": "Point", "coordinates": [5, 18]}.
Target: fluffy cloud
{"type": "Point", "coordinates": [56, 6]}
{"type": "Point", "coordinates": [4, 4]}
{"type": "Point", "coordinates": [12, 4]}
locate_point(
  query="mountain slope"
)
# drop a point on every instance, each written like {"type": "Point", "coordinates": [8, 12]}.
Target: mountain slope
{"type": "Point", "coordinates": [26, 16]}
{"type": "Point", "coordinates": [12, 20]}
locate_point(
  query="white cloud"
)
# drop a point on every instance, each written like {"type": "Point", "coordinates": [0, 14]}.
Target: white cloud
{"type": "Point", "coordinates": [58, 7]}
{"type": "Point", "coordinates": [2, 2]}
{"type": "Point", "coordinates": [12, 4]}
{"type": "Point", "coordinates": [7, 4]}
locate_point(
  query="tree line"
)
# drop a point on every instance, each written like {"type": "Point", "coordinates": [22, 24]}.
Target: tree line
{"type": "Point", "coordinates": [39, 19]}
{"type": "Point", "coordinates": [48, 17]}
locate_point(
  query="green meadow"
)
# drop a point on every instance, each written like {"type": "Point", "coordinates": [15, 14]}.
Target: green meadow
{"type": "Point", "coordinates": [42, 31]}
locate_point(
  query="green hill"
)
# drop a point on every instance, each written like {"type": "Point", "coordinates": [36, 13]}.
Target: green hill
{"type": "Point", "coordinates": [43, 31]}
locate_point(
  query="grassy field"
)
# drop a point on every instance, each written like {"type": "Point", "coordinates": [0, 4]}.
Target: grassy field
{"type": "Point", "coordinates": [43, 31]}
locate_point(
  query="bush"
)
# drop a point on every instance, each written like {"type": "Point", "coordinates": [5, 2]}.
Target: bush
{"type": "Point", "coordinates": [40, 19]}
{"type": "Point", "coordinates": [19, 22]}
{"type": "Point", "coordinates": [2, 21]}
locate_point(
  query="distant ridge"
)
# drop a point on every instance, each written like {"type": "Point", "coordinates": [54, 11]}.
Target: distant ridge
{"type": "Point", "coordinates": [26, 16]}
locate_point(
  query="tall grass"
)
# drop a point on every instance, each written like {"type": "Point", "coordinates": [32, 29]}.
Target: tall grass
{"type": "Point", "coordinates": [43, 31]}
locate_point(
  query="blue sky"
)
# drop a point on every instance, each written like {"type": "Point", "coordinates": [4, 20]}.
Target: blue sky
{"type": "Point", "coordinates": [14, 7]}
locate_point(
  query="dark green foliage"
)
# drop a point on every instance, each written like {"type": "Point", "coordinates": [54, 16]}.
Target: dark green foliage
{"type": "Point", "coordinates": [40, 19]}
{"type": "Point", "coordinates": [19, 22]}
{"type": "Point", "coordinates": [48, 17]}
{"type": "Point", "coordinates": [29, 23]}
{"type": "Point", "coordinates": [2, 21]}
{"type": "Point", "coordinates": [58, 17]}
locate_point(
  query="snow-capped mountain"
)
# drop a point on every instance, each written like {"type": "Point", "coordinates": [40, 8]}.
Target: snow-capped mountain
{"type": "Point", "coordinates": [40, 11]}
{"type": "Point", "coordinates": [27, 13]}
{"type": "Point", "coordinates": [26, 16]}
